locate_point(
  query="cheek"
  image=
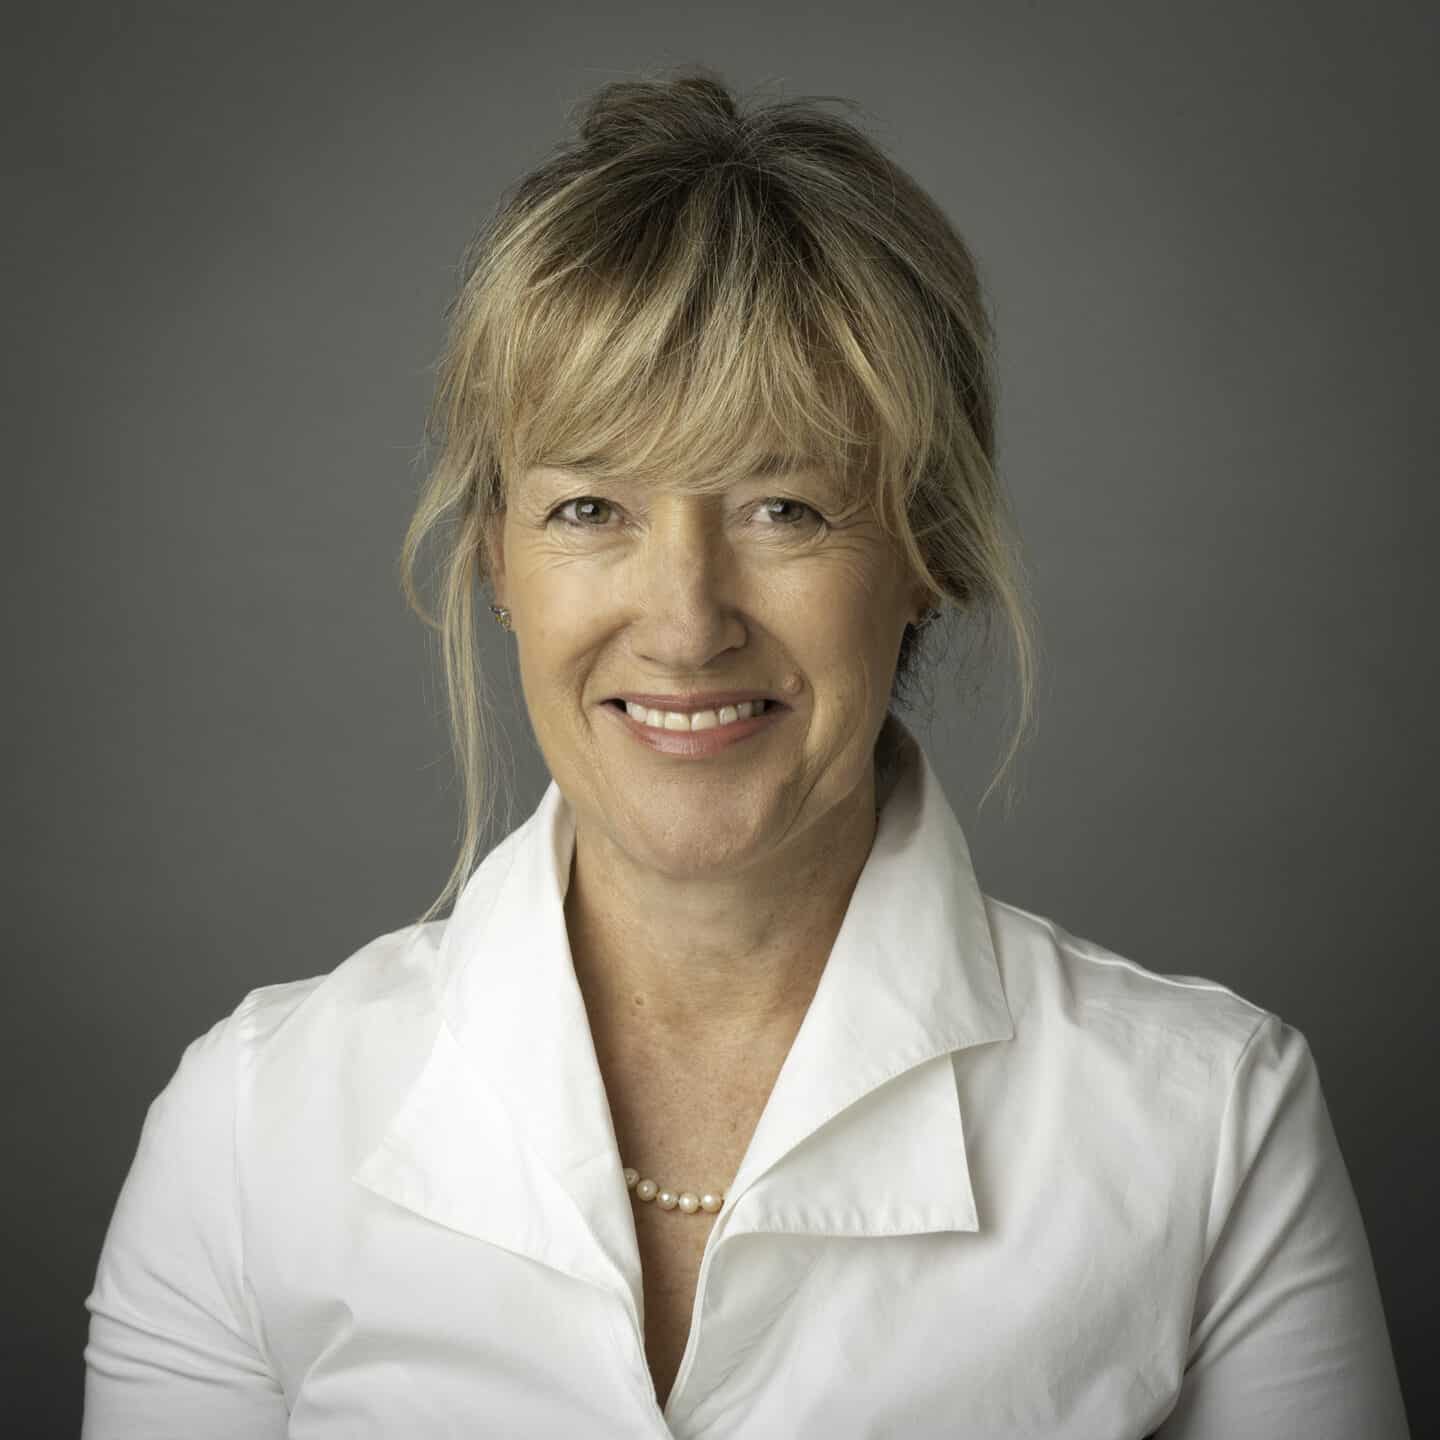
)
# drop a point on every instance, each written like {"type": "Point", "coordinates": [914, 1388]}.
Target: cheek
{"type": "Point", "coordinates": [561, 624]}
{"type": "Point", "coordinates": [844, 627]}
{"type": "Point", "coordinates": [848, 652]}
{"type": "Point", "coordinates": [546, 662]}
{"type": "Point", "coordinates": [551, 668]}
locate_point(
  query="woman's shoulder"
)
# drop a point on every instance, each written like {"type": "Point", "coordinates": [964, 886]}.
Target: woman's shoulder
{"type": "Point", "coordinates": [318, 1033]}
{"type": "Point", "coordinates": [290, 1059]}
{"type": "Point", "coordinates": [1138, 1060]}
{"type": "Point", "coordinates": [1078, 993]}
{"type": "Point", "coordinates": [396, 970]}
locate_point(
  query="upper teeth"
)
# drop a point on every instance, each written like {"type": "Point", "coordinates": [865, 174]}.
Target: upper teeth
{"type": "Point", "coordinates": [699, 720]}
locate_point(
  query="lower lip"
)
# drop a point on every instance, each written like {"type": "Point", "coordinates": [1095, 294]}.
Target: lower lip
{"type": "Point", "coordinates": [696, 744]}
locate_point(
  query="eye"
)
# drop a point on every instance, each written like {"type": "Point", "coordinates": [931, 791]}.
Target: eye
{"type": "Point", "coordinates": [582, 502]}
{"type": "Point", "coordinates": [814, 516]}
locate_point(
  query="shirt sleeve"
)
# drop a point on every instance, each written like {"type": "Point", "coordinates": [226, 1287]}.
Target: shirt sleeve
{"type": "Point", "coordinates": [174, 1349]}
{"type": "Point", "coordinates": [1288, 1336]}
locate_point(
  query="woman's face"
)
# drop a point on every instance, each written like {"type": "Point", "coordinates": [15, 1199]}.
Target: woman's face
{"type": "Point", "coordinates": [775, 585]}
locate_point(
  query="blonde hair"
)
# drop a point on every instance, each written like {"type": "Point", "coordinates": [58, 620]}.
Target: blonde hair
{"type": "Point", "coordinates": [684, 287]}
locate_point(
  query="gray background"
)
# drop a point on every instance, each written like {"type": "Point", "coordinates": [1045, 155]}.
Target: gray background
{"type": "Point", "coordinates": [1209, 233]}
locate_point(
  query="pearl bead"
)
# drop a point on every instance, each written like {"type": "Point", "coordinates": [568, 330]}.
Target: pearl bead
{"type": "Point", "coordinates": [687, 1201]}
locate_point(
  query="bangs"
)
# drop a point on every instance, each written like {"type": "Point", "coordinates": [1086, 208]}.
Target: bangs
{"type": "Point", "coordinates": [686, 335]}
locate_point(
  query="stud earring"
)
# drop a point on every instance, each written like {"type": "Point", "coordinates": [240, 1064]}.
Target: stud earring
{"type": "Point", "coordinates": [502, 615]}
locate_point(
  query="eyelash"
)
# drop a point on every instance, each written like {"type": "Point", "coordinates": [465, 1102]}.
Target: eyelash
{"type": "Point", "coordinates": [769, 500]}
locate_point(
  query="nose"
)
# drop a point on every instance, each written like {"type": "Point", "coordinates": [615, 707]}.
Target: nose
{"type": "Point", "coordinates": [684, 579]}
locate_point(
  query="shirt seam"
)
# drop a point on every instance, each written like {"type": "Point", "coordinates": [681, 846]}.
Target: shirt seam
{"type": "Point", "coordinates": [1120, 961]}
{"type": "Point", "coordinates": [239, 1024]}
{"type": "Point", "coordinates": [1208, 1249]}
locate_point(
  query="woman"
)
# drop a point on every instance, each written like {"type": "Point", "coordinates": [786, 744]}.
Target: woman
{"type": "Point", "coordinates": [724, 1102]}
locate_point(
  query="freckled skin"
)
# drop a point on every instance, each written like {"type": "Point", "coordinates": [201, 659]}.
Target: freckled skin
{"type": "Point", "coordinates": [749, 855]}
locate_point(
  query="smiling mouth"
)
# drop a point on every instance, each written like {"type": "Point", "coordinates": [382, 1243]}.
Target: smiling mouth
{"type": "Point", "coordinates": [698, 720]}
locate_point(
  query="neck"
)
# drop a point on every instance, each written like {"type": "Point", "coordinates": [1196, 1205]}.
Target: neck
{"type": "Point", "coordinates": [717, 967]}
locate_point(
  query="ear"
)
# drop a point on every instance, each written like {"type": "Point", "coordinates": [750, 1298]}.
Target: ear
{"type": "Point", "coordinates": [492, 540]}
{"type": "Point", "coordinates": [920, 600]}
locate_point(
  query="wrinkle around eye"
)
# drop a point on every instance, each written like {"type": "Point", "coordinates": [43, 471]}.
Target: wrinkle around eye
{"type": "Point", "coordinates": [810, 529]}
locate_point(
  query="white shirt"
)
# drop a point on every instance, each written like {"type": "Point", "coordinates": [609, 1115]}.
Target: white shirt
{"type": "Point", "coordinates": [1007, 1184]}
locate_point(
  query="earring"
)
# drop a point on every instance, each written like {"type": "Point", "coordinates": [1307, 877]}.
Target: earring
{"type": "Point", "coordinates": [502, 615]}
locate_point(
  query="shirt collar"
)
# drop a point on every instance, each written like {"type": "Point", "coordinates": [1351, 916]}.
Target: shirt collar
{"type": "Point", "coordinates": [507, 1134]}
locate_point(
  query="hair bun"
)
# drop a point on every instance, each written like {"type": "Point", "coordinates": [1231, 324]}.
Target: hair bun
{"type": "Point", "coordinates": [691, 101]}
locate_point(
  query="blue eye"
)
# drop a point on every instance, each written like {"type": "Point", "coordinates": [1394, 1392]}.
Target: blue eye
{"type": "Point", "coordinates": [556, 513]}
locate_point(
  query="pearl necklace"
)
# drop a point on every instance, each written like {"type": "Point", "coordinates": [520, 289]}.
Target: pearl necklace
{"type": "Point", "coordinates": [686, 1200]}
